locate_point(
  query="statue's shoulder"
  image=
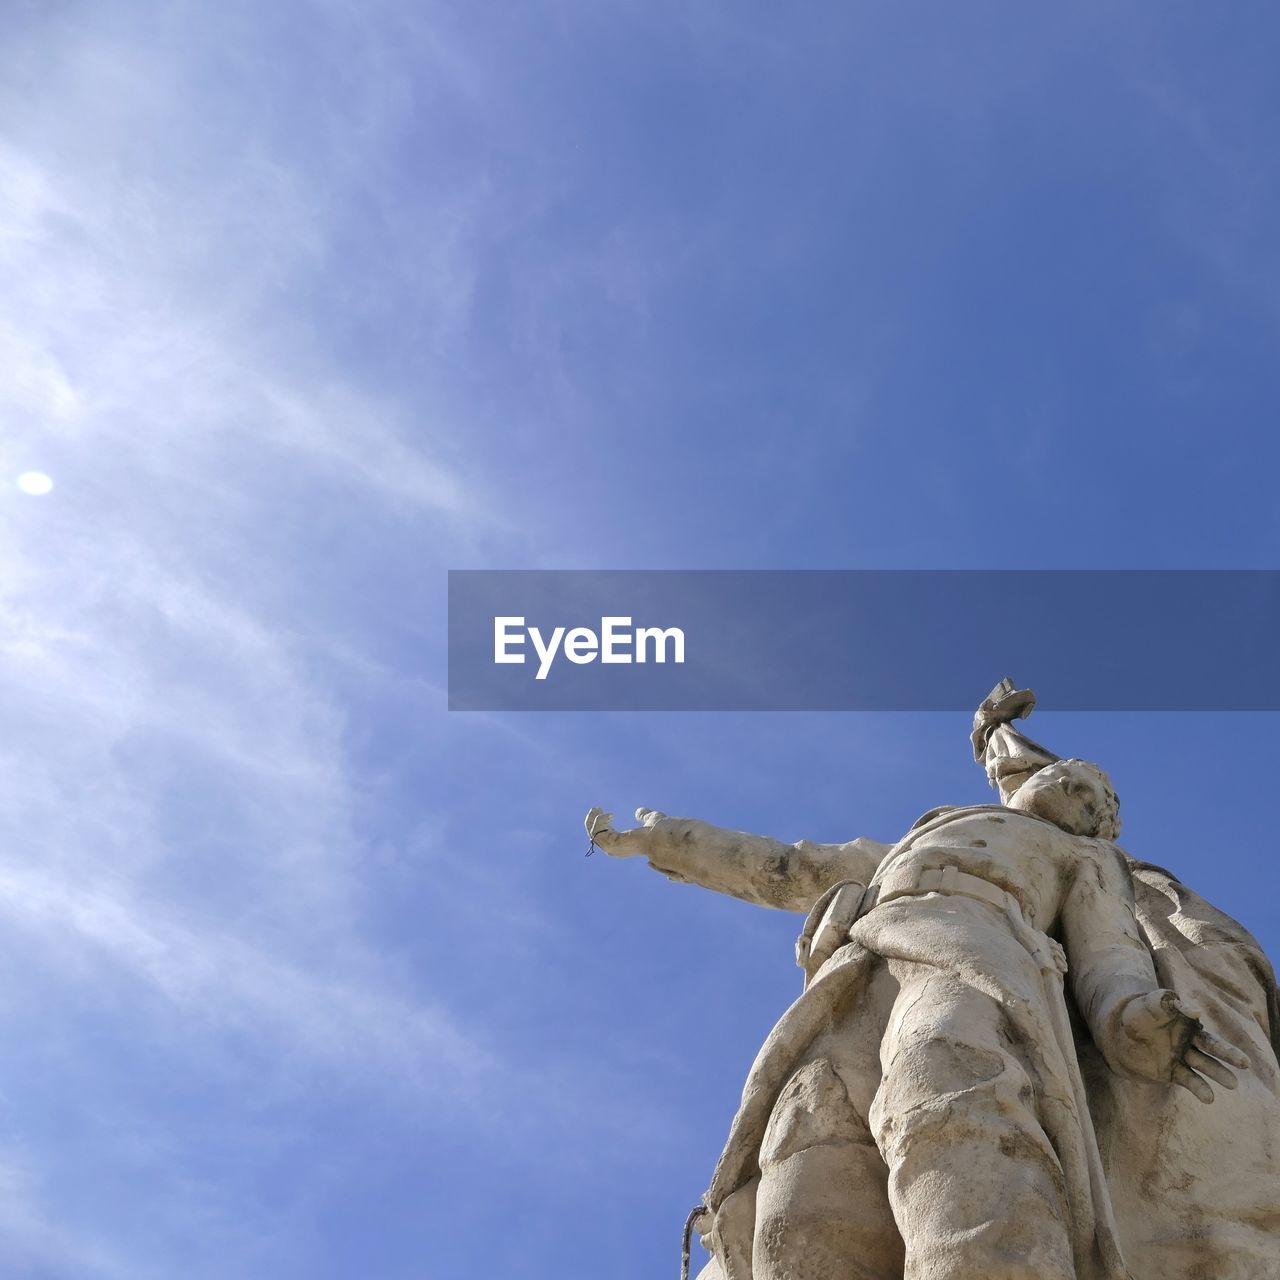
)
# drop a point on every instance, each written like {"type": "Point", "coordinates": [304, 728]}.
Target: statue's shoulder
{"type": "Point", "coordinates": [946, 813]}
{"type": "Point", "coordinates": [930, 814]}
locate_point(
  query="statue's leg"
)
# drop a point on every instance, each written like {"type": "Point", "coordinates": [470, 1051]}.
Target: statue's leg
{"type": "Point", "coordinates": [975, 1185]}
{"type": "Point", "coordinates": [822, 1207]}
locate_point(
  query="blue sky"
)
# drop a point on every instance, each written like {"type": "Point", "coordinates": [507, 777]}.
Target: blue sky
{"type": "Point", "coordinates": [302, 305]}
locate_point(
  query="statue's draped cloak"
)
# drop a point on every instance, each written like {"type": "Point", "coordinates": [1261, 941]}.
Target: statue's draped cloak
{"type": "Point", "coordinates": [1196, 1188]}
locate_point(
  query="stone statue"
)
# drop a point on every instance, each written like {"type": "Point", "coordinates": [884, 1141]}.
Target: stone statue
{"type": "Point", "coordinates": [1003, 1057]}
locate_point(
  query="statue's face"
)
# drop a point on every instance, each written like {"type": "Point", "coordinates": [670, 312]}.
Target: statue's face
{"type": "Point", "coordinates": [1069, 794]}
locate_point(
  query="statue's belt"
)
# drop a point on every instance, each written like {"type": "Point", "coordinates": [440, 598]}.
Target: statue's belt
{"type": "Point", "coordinates": [899, 876]}
{"type": "Point", "coordinates": [909, 881]}
{"type": "Point", "coordinates": [833, 915]}
{"type": "Point", "coordinates": [902, 882]}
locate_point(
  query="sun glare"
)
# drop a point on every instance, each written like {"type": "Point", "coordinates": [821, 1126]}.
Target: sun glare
{"type": "Point", "coordinates": [35, 483]}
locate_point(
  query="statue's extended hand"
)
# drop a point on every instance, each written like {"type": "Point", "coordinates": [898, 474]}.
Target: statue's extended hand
{"type": "Point", "coordinates": [621, 844]}
{"type": "Point", "coordinates": [1167, 1041]}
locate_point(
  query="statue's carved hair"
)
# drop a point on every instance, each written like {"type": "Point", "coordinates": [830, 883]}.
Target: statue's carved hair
{"type": "Point", "coordinates": [1109, 818]}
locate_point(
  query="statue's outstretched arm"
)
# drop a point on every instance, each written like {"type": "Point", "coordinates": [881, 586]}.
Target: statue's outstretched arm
{"type": "Point", "coordinates": [758, 869]}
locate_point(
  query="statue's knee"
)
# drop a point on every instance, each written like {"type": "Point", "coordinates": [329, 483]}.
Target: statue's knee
{"type": "Point", "coordinates": [822, 1208]}
{"type": "Point", "coordinates": [824, 1214]}
{"type": "Point", "coordinates": [936, 1065]}
{"type": "Point", "coordinates": [813, 1109]}
{"type": "Point", "coordinates": [941, 1084]}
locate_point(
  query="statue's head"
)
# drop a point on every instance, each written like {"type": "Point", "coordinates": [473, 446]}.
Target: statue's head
{"type": "Point", "coordinates": [1072, 794]}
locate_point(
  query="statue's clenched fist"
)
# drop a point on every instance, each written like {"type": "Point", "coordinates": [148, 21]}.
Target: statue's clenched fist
{"type": "Point", "coordinates": [621, 844]}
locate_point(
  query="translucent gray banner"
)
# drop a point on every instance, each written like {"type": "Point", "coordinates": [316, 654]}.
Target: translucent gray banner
{"type": "Point", "coordinates": [861, 640]}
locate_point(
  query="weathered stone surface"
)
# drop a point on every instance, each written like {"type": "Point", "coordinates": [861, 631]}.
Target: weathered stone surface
{"type": "Point", "coordinates": [1018, 1054]}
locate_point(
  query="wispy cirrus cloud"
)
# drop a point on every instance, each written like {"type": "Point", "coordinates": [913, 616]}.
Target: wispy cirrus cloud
{"type": "Point", "coordinates": [146, 364]}
{"type": "Point", "coordinates": [204, 263]}
{"type": "Point", "coordinates": [180, 810]}
{"type": "Point", "coordinates": [35, 1241]}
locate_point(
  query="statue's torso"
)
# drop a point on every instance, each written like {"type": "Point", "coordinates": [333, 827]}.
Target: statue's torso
{"type": "Point", "coordinates": [1026, 856]}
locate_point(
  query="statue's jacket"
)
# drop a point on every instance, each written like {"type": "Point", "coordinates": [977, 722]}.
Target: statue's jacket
{"type": "Point", "coordinates": [1197, 1188]}
{"type": "Point", "coordinates": [1175, 1199]}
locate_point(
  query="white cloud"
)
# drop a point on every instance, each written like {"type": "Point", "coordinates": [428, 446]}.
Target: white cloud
{"type": "Point", "coordinates": [36, 1241]}
{"type": "Point", "coordinates": [217, 979]}
{"type": "Point", "coordinates": [180, 809]}
{"type": "Point", "coordinates": [154, 634]}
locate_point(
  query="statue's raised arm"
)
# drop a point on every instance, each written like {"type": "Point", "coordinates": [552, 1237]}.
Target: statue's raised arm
{"type": "Point", "coordinates": [759, 869]}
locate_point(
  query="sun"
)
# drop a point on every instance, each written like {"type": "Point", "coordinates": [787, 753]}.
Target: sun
{"type": "Point", "coordinates": [36, 483]}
